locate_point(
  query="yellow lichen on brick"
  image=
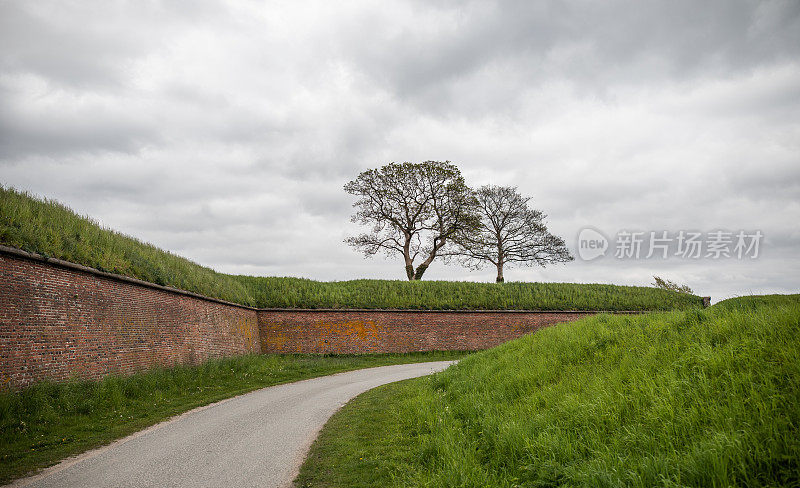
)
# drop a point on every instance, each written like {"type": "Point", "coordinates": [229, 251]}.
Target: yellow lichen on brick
{"type": "Point", "coordinates": [274, 342]}
{"type": "Point", "coordinates": [363, 330]}
{"type": "Point", "coordinates": [246, 328]}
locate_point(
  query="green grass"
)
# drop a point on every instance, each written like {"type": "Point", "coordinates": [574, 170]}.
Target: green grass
{"type": "Point", "coordinates": [457, 295]}
{"type": "Point", "coordinates": [46, 422]}
{"type": "Point", "coordinates": [692, 398]}
{"type": "Point", "coordinates": [49, 228]}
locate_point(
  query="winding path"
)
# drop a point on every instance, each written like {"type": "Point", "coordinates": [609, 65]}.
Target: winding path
{"type": "Point", "coordinates": [256, 439]}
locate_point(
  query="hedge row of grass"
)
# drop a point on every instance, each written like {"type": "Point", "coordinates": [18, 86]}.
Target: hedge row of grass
{"type": "Point", "coordinates": [49, 228]}
{"type": "Point", "coordinates": [690, 398]}
{"type": "Point", "coordinates": [46, 422]}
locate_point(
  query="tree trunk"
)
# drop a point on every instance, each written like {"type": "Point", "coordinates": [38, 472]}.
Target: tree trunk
{"type": "Point", "coordinates": [424, 266]}
{"type": "Point", "coordinates": [500, 260]}
{"type": "Point", "coordinates": [407, 257]}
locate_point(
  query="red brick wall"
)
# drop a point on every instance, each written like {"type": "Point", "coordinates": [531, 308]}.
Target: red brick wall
{"type": "Point", "coordinates": [361, 331]}
{"type": "Point", "coordinates": [59, 322]}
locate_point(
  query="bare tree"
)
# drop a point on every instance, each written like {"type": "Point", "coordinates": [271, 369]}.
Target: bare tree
{"type": "Point", "coordinates": [414, 210]}
{"type": "Point", "coordinates": [509, 233]}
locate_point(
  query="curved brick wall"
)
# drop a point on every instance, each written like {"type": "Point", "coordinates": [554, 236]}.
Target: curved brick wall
{"type": "Point", "coordinates": [59, 320]}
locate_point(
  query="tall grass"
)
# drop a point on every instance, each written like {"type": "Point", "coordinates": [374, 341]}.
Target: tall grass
{"type": "Point", "coordinates": [49, 228]}
{"type": "Point", "coordinates": [692, 398]}
{"type": "Point", "coordinates": [455, 295]}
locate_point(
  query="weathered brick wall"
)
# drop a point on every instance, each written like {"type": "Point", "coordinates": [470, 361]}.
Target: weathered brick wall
{"type": "Point", "coordinates": [362, 331]}
{"type": "Point", "coordinates": [59, 322]}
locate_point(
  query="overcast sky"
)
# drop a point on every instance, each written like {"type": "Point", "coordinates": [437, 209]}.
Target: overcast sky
{"type": "Point", "coordinates": [224, 131]}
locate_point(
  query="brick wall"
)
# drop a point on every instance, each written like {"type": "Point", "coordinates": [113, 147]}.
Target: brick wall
{"type": "Point", "coordinates": [361, 331]}
{"type": "Point", "coordinates": [61, 321]}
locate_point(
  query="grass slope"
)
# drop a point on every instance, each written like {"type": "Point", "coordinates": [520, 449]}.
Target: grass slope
{"type": "Point", "coordinates": [47, 422]}
{"type": "Point", "coordinates": [49, 228]}
{"type": "Point", "coordinates": [694, 398]}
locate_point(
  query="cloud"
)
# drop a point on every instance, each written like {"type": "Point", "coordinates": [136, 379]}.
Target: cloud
{"type": "Point", "coordinates": [224, 131]}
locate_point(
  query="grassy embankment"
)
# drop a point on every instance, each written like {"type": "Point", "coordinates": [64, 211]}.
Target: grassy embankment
{"type": "Point", "coordinates": [692, 398]}
{"type": "Point", "coordinates": [49, 228]}
{"type": "Point", "coordinates": [47, 422]}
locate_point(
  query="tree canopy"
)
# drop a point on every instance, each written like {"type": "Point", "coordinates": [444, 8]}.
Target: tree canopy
{"type": "Point", "coordinates": [510, 232]}
{"type": "Point", "coordinates": [415, 209]}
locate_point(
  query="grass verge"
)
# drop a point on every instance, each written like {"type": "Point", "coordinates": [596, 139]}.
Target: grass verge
{"type": "Point", "coordinates": [50, 421]}
{"type": "Point", "coordinates": [695, 398]}
{"type": "Point", "coordinates": [49, 228]}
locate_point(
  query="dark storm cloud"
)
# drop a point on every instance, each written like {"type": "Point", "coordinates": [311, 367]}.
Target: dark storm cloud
{"type": "Point", "coordinates": [224, 131]}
